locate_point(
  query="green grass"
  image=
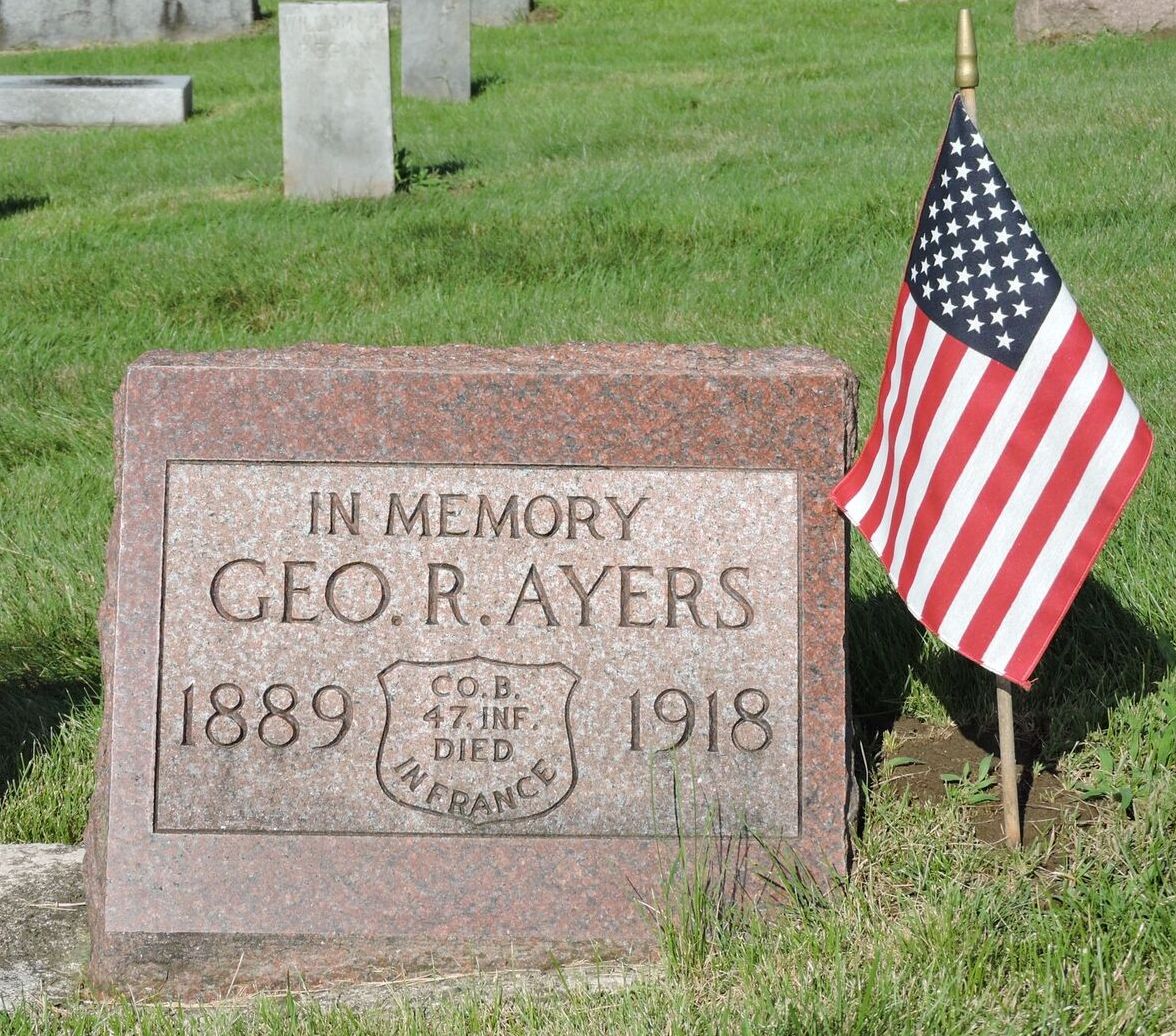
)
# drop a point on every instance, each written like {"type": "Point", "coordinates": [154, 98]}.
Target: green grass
{"type": "Point", "coordinates": [936, 933]}
{"type": "Point", "coordinates": [674, 170]}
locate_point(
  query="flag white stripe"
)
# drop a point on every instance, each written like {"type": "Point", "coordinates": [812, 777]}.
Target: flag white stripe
{"type": "Point", "coordinates": [988, 450]}
{"type": "Point", "coordinates": [1025, 495]}
{"type": "Point", "coordinates": [1064, 535]}
{"type": "Point", "coordinates": [943, 425]}
{"type": "Point", "coordinates": [928, 353]}
{"type": "Point", "coordinates": [860, 503]}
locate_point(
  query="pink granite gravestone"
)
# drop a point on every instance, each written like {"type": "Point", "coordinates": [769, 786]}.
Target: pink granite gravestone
{"type": "Point", "coordinates": [425, 658]}
{"type": "Point", "coordinates": [1055, 19]}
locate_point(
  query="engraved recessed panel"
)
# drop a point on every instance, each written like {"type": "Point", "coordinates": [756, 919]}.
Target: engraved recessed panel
{"type": "Point", "coordinates": [382, 648]}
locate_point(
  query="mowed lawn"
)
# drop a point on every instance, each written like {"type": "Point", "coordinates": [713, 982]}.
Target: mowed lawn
{"type": "Point", "coordinates": [669, 170]}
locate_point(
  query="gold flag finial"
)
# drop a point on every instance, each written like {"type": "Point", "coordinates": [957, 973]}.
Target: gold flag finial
{"type": "Point", "coordinates": [967, 70]}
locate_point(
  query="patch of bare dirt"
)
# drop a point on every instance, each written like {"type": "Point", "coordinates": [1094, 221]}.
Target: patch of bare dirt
{"type": "Point", "coordinates": [945, 750]}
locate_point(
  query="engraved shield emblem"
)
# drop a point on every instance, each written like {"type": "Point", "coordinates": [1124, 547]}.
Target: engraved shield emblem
{"type": "Point", "coordinates": [478, 740]}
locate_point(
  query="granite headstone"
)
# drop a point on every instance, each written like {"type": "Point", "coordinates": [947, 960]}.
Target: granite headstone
{"type": "Point", "coordinates": [336, 100]}
{"type": "Point", "coordinates": [1053, 19]}
{"type": "Point", "coordinates": [71, 23]}
{"type": "Point", "coordinates": [427, 658]}
{"type": "Point", "coordinates": [435, 49]}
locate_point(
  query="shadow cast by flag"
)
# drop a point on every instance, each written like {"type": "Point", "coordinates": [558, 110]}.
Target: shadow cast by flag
{"type": "Point", "coordinates": [1102, 656]}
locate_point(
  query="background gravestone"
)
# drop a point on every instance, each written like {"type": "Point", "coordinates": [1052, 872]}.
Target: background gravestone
{"type": "Point", "coordinates": [1046, 19]}
{"type": "Point", "coordinates": [428, 658]}
{"type": "Point", "coordinates": [499, 12]}
{"type": "Point", "coordinates": [68, 23]}
{"type": "Point", "coordinates": [485, 12]}
{"type": "Point", "coordinates": [336, 100]}
{"type": "Point", "coordinates": [435, 49]}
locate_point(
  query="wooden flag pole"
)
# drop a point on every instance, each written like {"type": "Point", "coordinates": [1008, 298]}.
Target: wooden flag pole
{"type": "Point", "coordinates": [967, 78]}
{"type": "Point", "coordinates": [1008, 763]}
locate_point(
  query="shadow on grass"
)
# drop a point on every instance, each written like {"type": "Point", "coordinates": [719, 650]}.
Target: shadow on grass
{"type": "Point", "coordinates": [410, 174]}
{"type": "Point", "coordinates": [480, 84]}
{"type": "Point", "coordinates": [32, 708]}
{"type": "Point", "coordinates": [17, 204]}
{"type": "Point", "coordinates": [543, 13]}
{"type": "Point", "coordinates": [1101, 656]}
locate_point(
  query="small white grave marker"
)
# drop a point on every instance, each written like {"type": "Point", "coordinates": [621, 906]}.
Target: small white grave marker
{"type": "Point", "coordinates": [336, 100]}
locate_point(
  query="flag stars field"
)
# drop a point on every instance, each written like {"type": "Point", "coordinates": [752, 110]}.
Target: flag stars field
{"type": "Point", "coordinates": [975, 206]}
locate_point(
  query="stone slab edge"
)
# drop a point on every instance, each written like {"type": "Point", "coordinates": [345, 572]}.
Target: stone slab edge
{"type": "Point", "coordinates": [44, 945]}
{"type": "Point", "coordinates": [40, 101]}
{"type": "Point", "coordinates": [43, 938]}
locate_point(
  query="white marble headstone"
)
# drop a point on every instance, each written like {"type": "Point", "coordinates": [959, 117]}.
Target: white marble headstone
{"type": "Point", "coordinates": [336, 100]}
{"type": "Point", "coordinates": [435, 49]}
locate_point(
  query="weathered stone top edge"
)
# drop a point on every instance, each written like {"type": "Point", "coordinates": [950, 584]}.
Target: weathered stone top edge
{"type": "Point", "coordinates": [83, 81]}
{"type": "Point", "coordinates": [565, 358]}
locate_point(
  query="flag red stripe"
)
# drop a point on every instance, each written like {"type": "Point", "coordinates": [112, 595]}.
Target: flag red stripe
{"type": "Point", "coordinates": [989, 390]}
{"type": "Point", "coordinates": [951, 355]}
{"type": "Point", "coordinates": [1044, 517]}
{"type": "Point", "coordinates": [916, 342]}
{"type": "Point", "coordinates": [1015, 458]}
{"type": "Point", "coordinates": [851, 485]}
{"type": "Point", "coordinates": [1081, 560]}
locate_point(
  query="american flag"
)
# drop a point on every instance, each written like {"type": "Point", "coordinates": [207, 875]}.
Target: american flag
{"type": "Point", "coordinates": [1004, 447]}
